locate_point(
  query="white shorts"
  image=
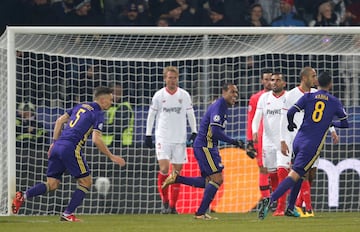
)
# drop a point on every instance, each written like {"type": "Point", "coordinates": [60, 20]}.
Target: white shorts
{"type": "Point", "coordinates": [175, 152]}
{"type": "Point", "coordinates": [273, 158]}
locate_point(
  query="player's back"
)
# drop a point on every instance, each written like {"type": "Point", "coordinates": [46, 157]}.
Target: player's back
{"type": "Point", "coordinates": [82, 119]}
{"type": "Point", "coordinates": [320, 108]}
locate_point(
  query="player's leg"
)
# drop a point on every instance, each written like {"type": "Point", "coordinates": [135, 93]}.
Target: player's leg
{"type": "Point", "coordinates": [54, 172]}
{"type": "Point", "coordinates": [163, 151]}
{"type": "Point", "coordinates": [210, 165]}
{"type": "Point", "coordinates": [307, 197]}
{"type": "Point", "coordinates": [84, 185]}
{"type": "Point", "coordinates": [283, 167]}
{"type": "Point", "coordinates": [283, 187]}
{"type": "Point", "coordinates": [164, 165]}
{"type": "Point", "coordinates": [264, 184]}
{"type": "Point", "coordinates": [178, 158]}
{"type": "Point", "coordinates": [77, 166]}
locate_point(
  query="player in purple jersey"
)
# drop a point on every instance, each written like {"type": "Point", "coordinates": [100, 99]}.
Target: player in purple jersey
{"type": "Point", "coordinates": [65, 152]}
{"type": "Point", "coordinates": [320, 108]}
{"type": "Point", "coordinates": [206, 152]}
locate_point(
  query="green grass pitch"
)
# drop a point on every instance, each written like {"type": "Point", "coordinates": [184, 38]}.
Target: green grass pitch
{"type": "Point", "coordinates": [247, 222]}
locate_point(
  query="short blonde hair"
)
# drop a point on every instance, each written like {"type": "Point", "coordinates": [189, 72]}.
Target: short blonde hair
{"type": "Point", "coordinates": [171, 69]}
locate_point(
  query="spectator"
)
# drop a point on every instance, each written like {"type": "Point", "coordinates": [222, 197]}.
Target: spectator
{"type": "Point", "coordinates": [288, 17]}
{"type": "Point", "coordinates": [119, 123]}
{"type": "Point", "coordinates": [178, 14]}
{"type": "Point", "coordinates": [353, 13]}
{"type": "Point", "coordinates": [271, 9]}
{"type": "Point", "coordinates": [255, 18]}
{"type": "Point", "coordinates": [29, 132]}
{"type": "Point", "coordinates": [82, 15]}
{"type": "Point", "coordinates": [135, 15]}
{"type": "Point", "coordinates": [61, 9]}
{"type": "Point", "coordinates": [216, 16]}
{"type": "Point", "coordinates": [325, 16]}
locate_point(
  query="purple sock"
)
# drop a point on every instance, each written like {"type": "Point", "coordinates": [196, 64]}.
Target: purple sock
{"type": "Point", "coordinates": [209, 193]}
{"type": "Point", "coordinates": [286, 184]}
{"type": "Point", "coordinates": [77, 199]}
{"type": "Point", "coordinates": [294, 194]}
{"type": "Point", "coordinates": [198, 182]}
{"type": "Point", "coordinates": [36, 190]}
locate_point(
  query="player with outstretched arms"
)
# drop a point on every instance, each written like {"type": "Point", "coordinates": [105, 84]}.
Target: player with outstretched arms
{"type": "Point", "coordinates": [320, 109]}
{"type": "Point", "coordinates": [65, 152]}
{"type": "Point", "coordinates": [206, 150]}
{"type": "Point", "coordinates": [308, 79]}
{"type": "Point", "coordinates": [269, 109]}
{"type": "Point", "coordinates": [170, 107]}
{"type": "Point", "coordinates": [263, 173]}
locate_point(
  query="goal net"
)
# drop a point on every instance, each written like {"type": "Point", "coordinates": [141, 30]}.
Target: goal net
{"type": "Point", "coordinates": [44, 71]}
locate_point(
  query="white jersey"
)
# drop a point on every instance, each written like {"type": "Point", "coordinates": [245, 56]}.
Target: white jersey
{"type": "Point", "coordinates": [270, 107]}
{"type": "Point", "coordinates": [171, 111]}
{"type": "Point", "coordinates": [291, 97]}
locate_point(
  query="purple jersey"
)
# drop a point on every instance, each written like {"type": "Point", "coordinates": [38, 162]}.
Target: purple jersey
{"type": "Point", "coordinates": [320, 109]}
{"type": "Point", "coordinates": [83, 119]}
{"type": "Point", "coordinates": [66, 153]}
{"type": "Point", "coordinates": [214, 117]}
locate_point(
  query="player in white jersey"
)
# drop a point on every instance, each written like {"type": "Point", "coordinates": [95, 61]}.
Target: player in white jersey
{"type": "Point", "coordinates": [308, 79]}
{"type": "Point", "coordinates": [170, 108]}
{"type": "Point", "coordinates": [269, 108]}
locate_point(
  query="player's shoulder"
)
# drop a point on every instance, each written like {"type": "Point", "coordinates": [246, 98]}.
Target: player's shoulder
{"type": "Point", "coordinates": [183, 91]}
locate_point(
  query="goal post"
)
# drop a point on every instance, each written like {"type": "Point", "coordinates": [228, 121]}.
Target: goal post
{"type": "Point", "coordinates": [52, 68]}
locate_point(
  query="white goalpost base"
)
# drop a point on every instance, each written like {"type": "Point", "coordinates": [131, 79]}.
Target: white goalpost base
{"type": "Point", "coordinates": [55, 67]}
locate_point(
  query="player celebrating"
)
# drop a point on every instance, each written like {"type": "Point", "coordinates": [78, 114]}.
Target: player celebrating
{"type": "Point", "coordinates": [308, 79]}
{"type": "Point", "coordinates": [263, 174]}
{"type": "Point", "coordinates": [269, 109]}
{"type": "Point", "coordinates": [170, 106]}
{"type": "Point", "coordinates": [65, 152]}
{"type": "Point", "coordinates": [206, 152]}
{"type": "Point", "coordinates": [320, 109]}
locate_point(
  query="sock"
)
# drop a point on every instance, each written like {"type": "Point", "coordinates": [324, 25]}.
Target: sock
{"type": "Point", "coordinates": [175, 189]}
{"type": "Point", "coordinates": [36, 190]}
{"type": "Point", "coordinates": [76, 199]}
{"type": "Point", "coordinates": [282, 174]}
{"type": "Point", "coordinates": [282, 188]}
{"type": "Point", "coordinates": [294, 193]}
{"type": "Point", "coordinates": [164, 193]}
{"type": "Point", "coordinates": [264, 185]}
{"type": "Point", "coordinates": [273, 180]}
{"type": "Point", "coordinates": [300, 198]}
{"type": "Point", "coordinates": [198, 182]}
{"type": "Point", "coordinates": [209, 193]}
{"type": "Point", "coordinates": [305, 189]}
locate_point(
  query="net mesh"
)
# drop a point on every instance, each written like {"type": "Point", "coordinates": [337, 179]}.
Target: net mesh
{"type": "Point", "coordinates": [55, 71]}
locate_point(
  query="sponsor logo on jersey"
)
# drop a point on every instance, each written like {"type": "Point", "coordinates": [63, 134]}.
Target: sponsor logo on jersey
{"type": "Point", "coordinates": [172, 110]}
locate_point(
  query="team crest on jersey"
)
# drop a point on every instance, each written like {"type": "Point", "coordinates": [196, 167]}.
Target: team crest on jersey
{"type": "Point", "coordinates": [216, 118]}
{"type": "Point", "coordinates": [101, 125]}
{"type": "Point", "coordinates": [180, 101]}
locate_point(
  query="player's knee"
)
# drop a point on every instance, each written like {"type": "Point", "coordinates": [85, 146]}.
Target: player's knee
{"type": "Point", "coordinates": [52, 185]}
{"type": "Point", "coordinates": [86, 182]}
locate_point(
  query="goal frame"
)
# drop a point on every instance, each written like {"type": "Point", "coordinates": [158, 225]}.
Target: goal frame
{"type": "Point", "coordinates": [11, 63]}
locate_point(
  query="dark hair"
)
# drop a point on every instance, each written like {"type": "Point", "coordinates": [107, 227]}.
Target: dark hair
{"type": "Point", "coordinates": [265, 71]}
{"type": "Point", "coordinates": [283, 77]}
{"type": "Point", "coordinates": [226, 85]}
{"type": "Point", "coordinates": [101, 91]}
{"type": "Point", "coordinates": [324, 79]}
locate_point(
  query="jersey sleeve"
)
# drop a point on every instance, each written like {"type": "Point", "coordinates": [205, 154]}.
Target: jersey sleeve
{"type": "Point", "coordinates": [250, 117]}
{"type": "Point", "coordinates": [99, 121]}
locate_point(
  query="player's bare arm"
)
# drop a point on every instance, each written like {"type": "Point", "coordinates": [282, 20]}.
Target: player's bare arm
{"type": "Point", "coordinates": [97, 139]}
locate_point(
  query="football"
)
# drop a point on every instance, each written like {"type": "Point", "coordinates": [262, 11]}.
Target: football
{"type": "Point", "coordinates": [102, 185]}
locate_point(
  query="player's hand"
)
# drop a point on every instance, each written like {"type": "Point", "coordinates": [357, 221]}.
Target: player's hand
{"type": "Point", "coordinates": [117, 159]}
{"type": "Point", "coordinates": [192, 138]}
{"type": "Point", "coordinates": [291, 126]}
{"type": "Point", "coordinates": [148, 142]}
{"type": "Point", "coordinates": [239, 143]}
{"type": "Point", "coordinates": [250, 149]}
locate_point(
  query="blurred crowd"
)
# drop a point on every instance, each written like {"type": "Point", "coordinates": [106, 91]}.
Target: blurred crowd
{"type": "Point", "coordinates": [179, 13]}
